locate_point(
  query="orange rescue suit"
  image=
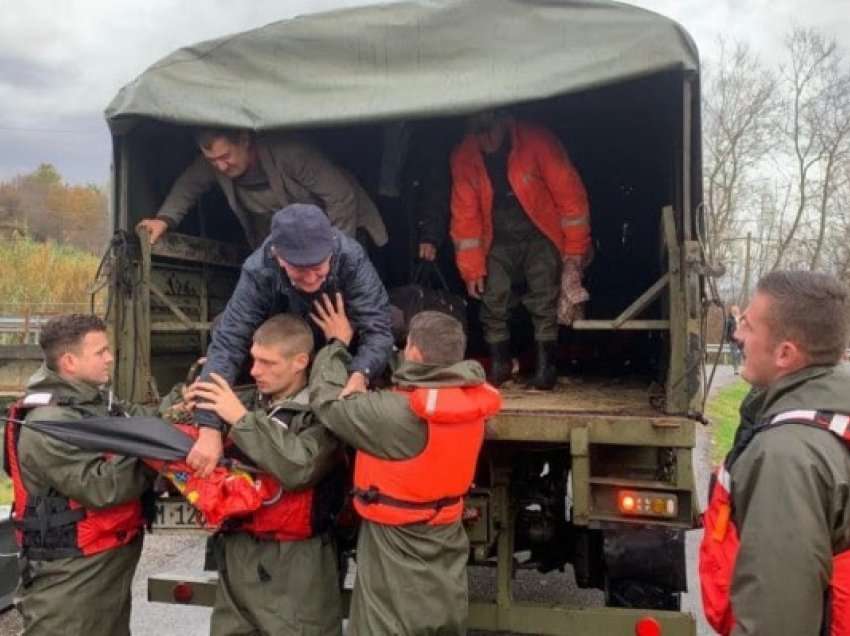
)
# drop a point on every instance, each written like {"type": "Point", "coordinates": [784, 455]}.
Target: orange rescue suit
{"type": "Point", "coordinates": [544, 181]}
{"type": "Point", "coordinates": [429, 487]}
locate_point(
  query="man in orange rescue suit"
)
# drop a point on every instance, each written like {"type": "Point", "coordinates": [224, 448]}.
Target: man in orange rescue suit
{"type": "Point", "coordinates": [773, 558]}
{"type": "Point", "coordinates": [278, 569]}
{"type": "Point", "coordinates": [519, 212]}
{"type": "Point", "coordinates": [78, 514]}
{"type": "Point", "coordinates": [417, 446]}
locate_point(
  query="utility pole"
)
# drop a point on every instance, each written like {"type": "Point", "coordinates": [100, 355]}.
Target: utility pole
{"type": "Point", "coordinates": [745, 290]}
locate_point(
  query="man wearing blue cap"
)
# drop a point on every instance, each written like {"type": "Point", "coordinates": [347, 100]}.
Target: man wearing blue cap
{"type": "Point", "coordinates": [303, 258]}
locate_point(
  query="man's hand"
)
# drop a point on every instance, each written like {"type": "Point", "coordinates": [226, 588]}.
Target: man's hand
{"type": "Point", "coordinates": [356, 384]}
{"type": "Point", "coordinates": [156, 228]}
{"type": "Point", "coordinates": [331, 319]}
{"type": "Point", "coordinates": [475, 287]}
{"type": "Point", "coordinates": [206, 452]}
{"type": "Point", "coordinates": [427, 251]}
{"type": "Point", "coordinates": [571, 281]}
{"type": "Point", "coordinates": [217, 396]}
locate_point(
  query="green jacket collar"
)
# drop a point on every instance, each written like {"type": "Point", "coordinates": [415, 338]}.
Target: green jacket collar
{"type": "Point", "coordinates": [48, 381]}
{"type": "Point", "coordinates": [823, 388]}
{"type": "Point", "coordinates": [463, 373]}
{"type": "Point", "coordinates": [298, 402]}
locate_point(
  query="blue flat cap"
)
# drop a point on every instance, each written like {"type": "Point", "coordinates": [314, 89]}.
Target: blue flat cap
{"type": "Point", "coordinates": [301, 234]}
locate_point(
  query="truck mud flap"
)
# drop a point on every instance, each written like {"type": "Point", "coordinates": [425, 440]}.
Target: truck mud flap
{"type": "Point", "coordinates": [655, 556]}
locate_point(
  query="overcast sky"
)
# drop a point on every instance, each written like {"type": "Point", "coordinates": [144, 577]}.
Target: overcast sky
{"type": "Point", "coordinates": [62, 61]}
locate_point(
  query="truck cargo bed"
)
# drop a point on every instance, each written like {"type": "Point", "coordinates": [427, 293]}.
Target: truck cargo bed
{"type": "Point", "coordinates": [613, 410]}
{"type": "Point", "coordinates": [602, 396]}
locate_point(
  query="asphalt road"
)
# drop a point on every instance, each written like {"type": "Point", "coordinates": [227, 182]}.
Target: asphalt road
{"type": "Point", "coordinates": [175, 553]}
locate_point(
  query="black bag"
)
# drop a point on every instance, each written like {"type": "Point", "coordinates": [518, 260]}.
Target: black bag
{"type": "Point", "coordinates": [421, 295]}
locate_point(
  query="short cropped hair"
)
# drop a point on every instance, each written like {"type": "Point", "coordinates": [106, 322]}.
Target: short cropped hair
{"type": "Point", "coordinates": [810, 309]}
{"type": "Point", "coordinates": [438, 336]}
{"type": "Point", "coordinates": [289, 332]}
{"type": "Point", "coordinates": [62, 333]}
{"type": "Point", "coordinates": [205, 137]}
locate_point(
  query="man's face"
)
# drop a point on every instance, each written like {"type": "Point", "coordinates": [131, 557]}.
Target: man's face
{"type": "Point", "coordinates": [307, 279]}
{"type": "Point", "coordinates": [491, 137]}
{"type": "Point", "coordinates": [90, 361]}
{"type": "Point", "coordinates": [274, 372]}
{"type": "Point", "coordinates": [232, 159]}
{"type": "Point", "coordinates": [762, 350]}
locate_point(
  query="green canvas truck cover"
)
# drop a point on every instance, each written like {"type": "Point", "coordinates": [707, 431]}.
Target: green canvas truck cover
{"type": "Point", "coordinates": [402, 60]}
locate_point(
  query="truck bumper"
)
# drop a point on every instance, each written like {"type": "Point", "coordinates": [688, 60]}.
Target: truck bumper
{"type": "Point", "coordinates": [533, 618]}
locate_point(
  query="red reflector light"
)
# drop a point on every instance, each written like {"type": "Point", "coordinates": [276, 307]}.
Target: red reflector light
{"type": "Point", "coordinates": [647, 626]}
{"type": "Point", "coordinates": [627, 503]}
{"type": "Point", "coordinates": [182, 593]}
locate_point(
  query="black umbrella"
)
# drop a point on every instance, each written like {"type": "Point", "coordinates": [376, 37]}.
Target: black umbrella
{"type": "Point", "coordinates": [138, 436]}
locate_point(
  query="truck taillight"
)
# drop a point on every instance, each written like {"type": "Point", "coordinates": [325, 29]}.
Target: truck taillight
{"type": "Point", "coordinates": [647, 503]}
{"type": "Point", "coordinates": [182, 593]}
{"type": "Point", "coordinates": [647, 626]}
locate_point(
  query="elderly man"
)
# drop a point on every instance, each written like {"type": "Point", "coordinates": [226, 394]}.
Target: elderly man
{"type": "Point", "coordinates": [303, 258]}
{"type": "Point", "coordinates": [261, 174]}
{"type": "Point", "coordinates": [778, 519]}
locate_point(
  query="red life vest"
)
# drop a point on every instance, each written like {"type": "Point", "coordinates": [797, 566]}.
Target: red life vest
{"type": "Point", "coordinates": [284, 516]}
{"type": "Point", "coordinates": [720, 543]}
{"type": "Point", "coordinates": [429, 488]}
{"type": "Point", "coordinates": [290, 515]}
{"type": "Point", "coordinates": [55, 527]}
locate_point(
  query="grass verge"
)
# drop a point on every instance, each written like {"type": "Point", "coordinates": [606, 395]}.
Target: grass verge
{"type": "Point", "coordinates": [722, 411]}
{"type": "Point", "coordinates": [5, 490]}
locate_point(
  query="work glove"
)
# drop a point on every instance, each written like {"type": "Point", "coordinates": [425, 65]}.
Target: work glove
{"type": "Point", "coordinates": [573, 295]}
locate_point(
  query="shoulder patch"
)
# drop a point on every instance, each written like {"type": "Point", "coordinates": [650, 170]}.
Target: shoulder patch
{"type": "Point", "coordinates": [37, 399]}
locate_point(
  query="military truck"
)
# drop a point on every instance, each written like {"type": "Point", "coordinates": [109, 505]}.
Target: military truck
{"type": "Point", "coordinates": [595, 476]}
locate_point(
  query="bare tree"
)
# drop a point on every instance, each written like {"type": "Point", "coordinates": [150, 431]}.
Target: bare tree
{"type": "Point", "coordinates": [740, 111]}
{"type": "Point", "coordinates": [813, 69]}
{"type": "Point", "coordinates": [834, 138]}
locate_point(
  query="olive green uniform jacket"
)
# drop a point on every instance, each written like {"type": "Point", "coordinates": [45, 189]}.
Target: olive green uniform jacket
{"type": "Point", "coordinates": [280, 587]}
{"type": "Point", "coordinates": [410, 579]}
{"type": "Point", "coordinates": [291, 171]}
{"type": "Point", "coordinates": [791, 494]}
{"type": "Point", "coordinates": [90, 594]}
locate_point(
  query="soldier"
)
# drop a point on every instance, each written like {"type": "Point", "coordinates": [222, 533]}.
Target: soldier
{"type": "Point", "coordinates": [412, 548]}
{"type": "Point", "coordinates": [78, 513]}
{"type": "Point", "coordinates": [301, 259]}
{"type": "Point", "coordinates": [774, 558]}
{"type": "Point", "coordinates": [277, 568]}
{"type": "Point", "coordinates": [518, 212]}
{"type": "Point", "coordinates": [261, 174]}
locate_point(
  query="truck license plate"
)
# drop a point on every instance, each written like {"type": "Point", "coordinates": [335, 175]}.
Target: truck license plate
{"type": "Point", "coordinates": [175, 515]}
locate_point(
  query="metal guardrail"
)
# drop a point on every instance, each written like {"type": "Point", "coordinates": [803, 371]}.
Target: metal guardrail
{"type": "Point", "coordinates": [16, 324]}
{"type": "Point", "coordinates": [27, 328]}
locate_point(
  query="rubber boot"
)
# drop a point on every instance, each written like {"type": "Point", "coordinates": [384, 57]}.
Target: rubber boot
{"type": "Point", "coordinates": [500, 363]}
{"type": "Point", "coordinates": [546, 372]}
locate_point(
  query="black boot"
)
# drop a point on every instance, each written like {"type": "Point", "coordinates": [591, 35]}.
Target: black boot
{"type": "Point", "coordinates": [500, 363]}
{"type": "Point", "coordinates": [546, 373]}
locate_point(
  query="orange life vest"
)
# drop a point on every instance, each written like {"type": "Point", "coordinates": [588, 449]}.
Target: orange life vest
{"type": "Point", "coordinates": [55, 527]}
{"type": "Point", "coordinates": [721, 543]}
{"type": "Point", "coordinates": [545, 182]}
{"type": "Point", "coordinates": [429, 487]}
